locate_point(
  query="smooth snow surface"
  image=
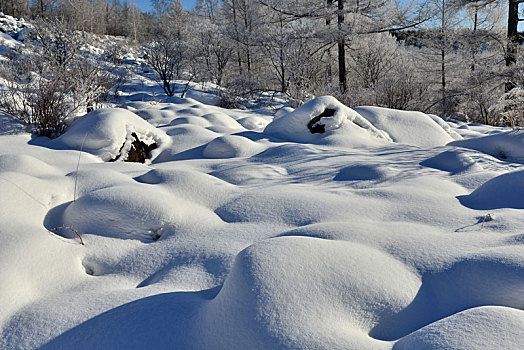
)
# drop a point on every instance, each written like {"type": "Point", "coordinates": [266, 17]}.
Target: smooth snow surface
{"type": "Point", "coordinates": [504, 191]}
{"type": "Point", "coordinates": [245, 231]}
{"type": "Point", "coordinates": [452, 161]}
{"type": "Point", "coordinates": [412, 128]}
{"type": "Point", "coordinates": [487, 327]}
{"type": "Point", "coordinates": [505, 145]}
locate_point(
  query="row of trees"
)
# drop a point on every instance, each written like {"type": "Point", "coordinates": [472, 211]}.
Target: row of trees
{"type": "Point", "coordinates": [112, 17]}
{"type": "Point", "coordinates": [442, 56]}
{"type": "Point", "coordinates": [449, 57]}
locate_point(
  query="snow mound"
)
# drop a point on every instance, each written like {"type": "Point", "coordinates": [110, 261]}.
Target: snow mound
{"type": "Point", "coordinates": [25, 164]}
{"type": "Point", "coordinates": [283, 111]}
{"type": "Point", "coordinates": [195, 112]}
{"type": "Point", "coordinates": [154, 114]}
{"type": "Point", "coordinates": [126, 212]}
{"type": "Point", "coordinates": [291, 205]}
{"type": "Point", "coordinates": [451, 161]}
{"type": "Point", "coordinates": [192, 120]}
{"type": "Point", "coordinates": [340, 128]}
{"type": "Point", "coordinates": [215, 121]}
{"type": "Point", "coordinates": [447, 128]}
{"type": "Point", "coordinates": [307, 293]}
{"type": "Point", "coordinates": [506, 145]}
{"type": "Point", "coordinates": [251, 174]}
{"type": "Point", "coordinates": [186, 138]}
{"type": "Point", "coordinates": [253, 123]}
{"type": "Point", "coordinates": [8, 41]}
{"type": "Point", "coordinates": [493, 279]}
{"type": "Point", "coordinates": [221, 122]}
{"type": "Point", "coordinates": [232, 146]}
{"type": "Point", "coordinates": [472, 329]}
{"type": "Point", "coordinates": [96, 179]}
{"type": "Point", "coordinates": [108, 133]}
{"type": "Point", "coordinates": [360, 172]}
{"type": "Point", "coordinates": [412, 128]}
{"type": "Point", "coordinates": [194, 186]}
{"type": "Point", "coordinates": [504, 191]}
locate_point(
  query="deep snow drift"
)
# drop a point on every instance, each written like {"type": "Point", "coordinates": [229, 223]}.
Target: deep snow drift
{"type": "Point", "coordinates": [244, 230]}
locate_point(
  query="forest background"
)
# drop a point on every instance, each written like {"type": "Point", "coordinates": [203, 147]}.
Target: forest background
{"type": "Point", "coordinates": [447, 57]}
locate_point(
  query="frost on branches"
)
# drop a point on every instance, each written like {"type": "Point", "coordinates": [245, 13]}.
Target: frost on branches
{"type": "Point", "coordinates": [508, 111]}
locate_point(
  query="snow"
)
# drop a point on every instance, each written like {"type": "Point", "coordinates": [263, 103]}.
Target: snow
{"type": "Point", "coordinates": [412, 128]}
{"type": "Point", "coordinates": [231, 146]}
{"type": "Point", "coordinates": [506, 145]}
{"type": "Point", "coordinates": [470, 329]}
{"type": "Point", "coordinates": [9, 125]}
{"type": "Point", "coordinates": [244, 230]}
{"type": "Point", "coordinates": [272, 297]}
{"type": "Point", "coordinates": [6, 40]}
{"type": "Point", "coordinates": [362, 172]}
{"type": "Point", "coordinates": [504, 191]}
{"type": "Point", "coordinates": [283, 111]}
{"type": "Point", "coordinates": [452, 161]}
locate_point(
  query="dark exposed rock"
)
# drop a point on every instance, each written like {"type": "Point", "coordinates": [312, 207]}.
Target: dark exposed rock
{"type": "Point", "coordinates": [314, 125]}
{"type": "Point", "coordinates": [139, 151]}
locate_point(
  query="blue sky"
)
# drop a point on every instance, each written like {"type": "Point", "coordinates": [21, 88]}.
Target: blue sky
{"type": "Point", "coordinates": [145, 5]}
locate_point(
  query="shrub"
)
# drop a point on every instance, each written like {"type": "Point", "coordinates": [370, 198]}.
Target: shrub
{"type": "Point", "coordinates": [508, 111]}
{"type": "Point", "coordinates": [57, 80]}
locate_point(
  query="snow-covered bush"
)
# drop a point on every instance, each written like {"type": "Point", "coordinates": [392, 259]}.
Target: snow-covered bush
{"type": "Point", "coordinates": [17, 86]}
{"type": "Point", "coordinates": [509, 110]}
{"type": "Point", "coordinates": [50, 108]}
{"type": "Point", "coordinates": [373, 56]}
{"type": "Point", "coordinates": [55, 78]}
{"type": "Point", "coordinates": [326, 120]}
{"type": "Point", "coordinates": [228, 99]}
{"type": "Point", "coordinates": [110, 133]}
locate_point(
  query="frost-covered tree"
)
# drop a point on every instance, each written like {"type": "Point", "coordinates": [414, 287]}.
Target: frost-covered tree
{"type": "Point", "coordinates": [165, 54]}
{"type": "Point", "coordinates": [372, 57]}
{"type": "Point", "coordinates": [340, 23]}
{"type": "Point", "coordinates": [16, 8]}
{"type": "Point", "coordinates": [133, 20]}
{"type": "Point", "coordinates": [168, 50]}
{"type": "Point", "coordinates": [44, 8]}
{"type": "Point", "coordinates": [243, 20]}
{"type": "Point", "coordinates": [509, 110]}
{"type": "Point", "coordinates": [382, 72]}
{"type": "Point", "coordinates": [214, 47]}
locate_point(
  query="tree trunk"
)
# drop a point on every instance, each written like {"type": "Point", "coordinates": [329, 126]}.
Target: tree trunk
{"type": "Point", "coordinates": [443, 74]}
{"type": "Point", "coordinates": [511, 50]}
{"type": "Point", "coordinates": [328, 24]}
{"type": "Point", "coordinates": [248, 53]}
{"type": "Point", "coordinates": [282, 58]}
{"type": "Point", "coordinates": [474, 48]}
{"type": "Point", "coordinates": [237, 37]}
{"type": "Point", "coordinates": [342, 75]}
{"type": "Point", "coordinates": [443, 55]}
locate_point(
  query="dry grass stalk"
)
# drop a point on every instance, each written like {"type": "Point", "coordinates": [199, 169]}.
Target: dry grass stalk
{"type": "Point", "coordinates": [55, 229]}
